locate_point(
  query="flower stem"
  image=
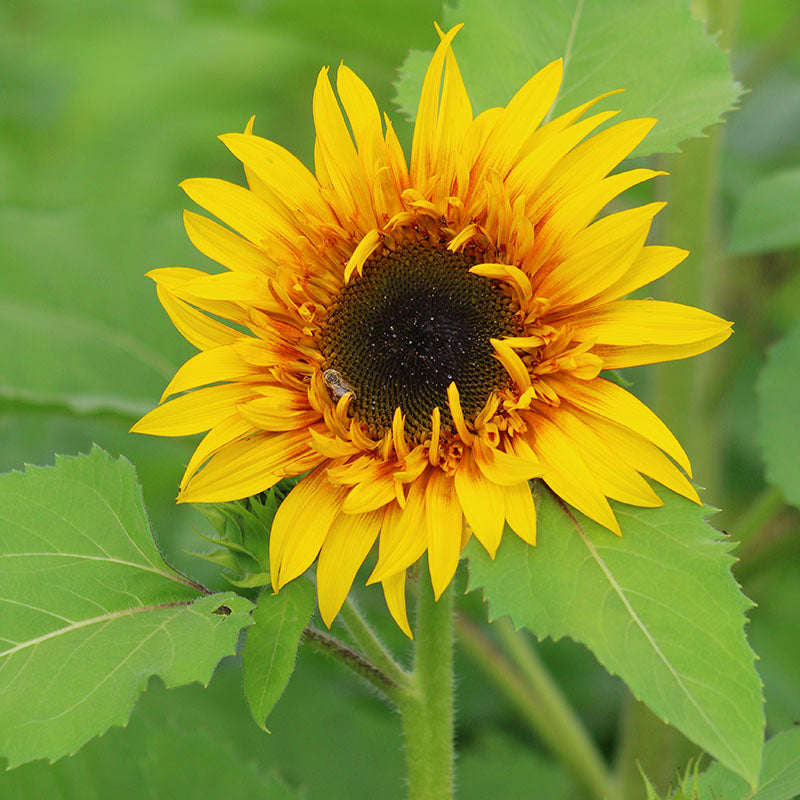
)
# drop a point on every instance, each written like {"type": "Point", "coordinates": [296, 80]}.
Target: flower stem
{"type": "Point", "coordinates": [541, 703]}
{"type": "Point", "coordinates": [372, 647]}
{"type": "Point", "coordinates": [427, 712]}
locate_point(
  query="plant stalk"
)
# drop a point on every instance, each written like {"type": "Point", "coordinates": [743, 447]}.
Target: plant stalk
{"type": "Point", "coordinates": [372, 647]}
{"type": "Point", "coordinates": [427, 710]}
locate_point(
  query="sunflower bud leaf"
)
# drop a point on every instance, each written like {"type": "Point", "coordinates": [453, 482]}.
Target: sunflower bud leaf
{"type": "Point", "coordinates": [270, 651]}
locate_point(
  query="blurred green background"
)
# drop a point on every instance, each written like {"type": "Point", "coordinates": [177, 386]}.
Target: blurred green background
{"type": "Point", "coordinates": [105, 106]}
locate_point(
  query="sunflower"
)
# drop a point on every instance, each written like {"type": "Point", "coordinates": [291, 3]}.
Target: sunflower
{"type": "Point", "coordinates": [423, 338]}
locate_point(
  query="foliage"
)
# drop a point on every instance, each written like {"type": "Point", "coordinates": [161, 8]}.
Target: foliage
{"type": "Point", "coordinates": [91, 610]}
{"type": "Point", "coordinates": [657, 606]}
{"type": "Point", "coordinates": [664, 60]}
{"type": "Point", "coordinates": [106, 107]}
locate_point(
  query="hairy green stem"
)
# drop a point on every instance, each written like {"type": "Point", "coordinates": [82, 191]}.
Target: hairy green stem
{"type": "Point", "coordinates": [354, 661]}
{"type": "Point", "coordinates": [539, 700]}
{"type": "Point", "coordinates": [427, 712]}
{"type": "Point", "coordinates": [371, 645]}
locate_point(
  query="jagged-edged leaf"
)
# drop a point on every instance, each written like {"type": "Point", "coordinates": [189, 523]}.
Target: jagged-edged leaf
{"type": "Point", "coordinates": [779, 778]}
{"type": "Point", "coordinates": [768, 217]}
{"type": "Point", "coordinates": [658, 606]}
{"type": "Point", "coordinates": [89, 609]}
{"type": "Point", "coordinates": [778, 431]}
{"type": "Point", "coordinates": [668, 65]}
{"type": "Point", "coordinates": [271, 647]}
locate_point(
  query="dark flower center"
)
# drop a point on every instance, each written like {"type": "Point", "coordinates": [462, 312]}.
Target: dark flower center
{"type": "Point", "coordinates": [414, 321]}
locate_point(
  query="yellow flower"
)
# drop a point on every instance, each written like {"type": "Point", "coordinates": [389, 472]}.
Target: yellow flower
{"type": "Point", "coordinates": [424, 338]}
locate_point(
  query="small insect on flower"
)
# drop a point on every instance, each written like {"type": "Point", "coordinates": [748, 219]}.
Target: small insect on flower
{"type": "Point", "coordinates": [336, 384]}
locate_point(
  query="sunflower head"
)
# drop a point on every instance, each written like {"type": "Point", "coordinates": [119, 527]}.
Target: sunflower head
{"type": "Point", "coordinates": [423, 338]}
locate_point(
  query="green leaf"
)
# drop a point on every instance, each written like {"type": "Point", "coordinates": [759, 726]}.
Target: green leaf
{"type": "Point", "coordinates": [778, 431]}
{"type": "Point", "coordinates": [90, 608]}
{"type": "Point", "coordinates": [769, 216]}
{"type": "Point", "coordinates": [271, 648]}
{"type": "Point", "coordinates": [669, 66]}
{"type": "Point", "coordinates": [779, 778]}
{"type": "Point", "coordinates": [658, 606]}
{"type": "Point", "coordinates": [148, 760]}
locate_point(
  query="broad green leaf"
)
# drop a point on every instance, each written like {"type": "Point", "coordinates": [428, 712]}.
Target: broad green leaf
{"type": "Point", "coordinates": [779, 778]}
{"type": "Point", "coordinates": [778, 431]}
{"type": "Point", "coordinates": [768, 217]}
{"type": "Point", "coordinates": [90, 609]}
{"type": "Point", "coordinates": [147, 761]}
{"type": "Point", "coordinates": [668, 65]}
{"type": "Point", "coordinates": [658, 606]}
{"type": "Point", "coordinates": [271, 647]}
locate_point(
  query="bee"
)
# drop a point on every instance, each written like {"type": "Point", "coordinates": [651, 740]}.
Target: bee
{"type": "Point", "coordinates": [336, 384]}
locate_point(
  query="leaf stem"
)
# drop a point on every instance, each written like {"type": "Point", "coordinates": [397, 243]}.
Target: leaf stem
{"type": "Point", "coordinates": [325, 643]}
{"type": "Point", "coordinates": [541, 703]}
{"type": "Point", "coordinates": [372, 646]}
{"type": "Point", "coordinates": [427, 712]}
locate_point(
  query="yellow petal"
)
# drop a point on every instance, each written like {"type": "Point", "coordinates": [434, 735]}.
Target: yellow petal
{"type": "Point", "coordinates": [593, 159]}
{"type": "Point", "coordinates": [424, 147]}
{"type": "Point", "coordinates": [567, 220]}
{"type": "Point", "coordinates": [366, 247]}
{"type": "Point", "coordinates": [283, 172]}
{"type": "Point", "coordinates": [224, 296]}
{"type": "Point", "coordinates": [521, 117]}
{"type": "Point", "coordinates": [482, 503]}
{"type": "Point", "coordinates": [566, 472]}
{"type": "Point", "coordinates": [197, 328]}
{"type": "Point", "coordinates": [529, 174]}
{"type": "Point", "coordinates": [619, 357]}
{"type": "Point", "coordinates": [364, 116]}
{"type": "Point", "coordinates": [652, 262]}
{"type": "Point", "coordinates": [521, 511]}
{"type": "Point", "coordinates": [280, 408]}
{"type": "Point", "coordinates": [210, 366]}
{"type": "Point", "coordinates": [640, 454]}
{"type": "Point", "coordinates": [240, 208]}
{"type": "Point", "coordinates": [250, 466]}
{"type": "Point", "coordinates": [234, 287]}
{"type": "Point", "coordinates": [300, 526]}
{"type": "Point", "coordinates": [642, 322]}
{"type": "Point", "coordinates": [229, 430]}
{"type": "Point", "coordinates": [394, 590]}
{"type": "Point", "coordinates": [608, 400]}
{"type": "Point", "coordinates": [504, 468]}
{"type": "Point", "coordinates": [194, 412]}
{"type": "Point", "coordinates": [337, 154]}
{"type": "Point", "coordinates": [614, 477]}
{"type": "Point", "coordinates": [404, 536]}
{"type": "Point", "coordinates": [224, 246]}
{"type": "Point", "coordinates": [598, 257]}
{"type": "Point", "coordinates": [347, 544]}
{"type": "Point", "coordinates": [444, 524]}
